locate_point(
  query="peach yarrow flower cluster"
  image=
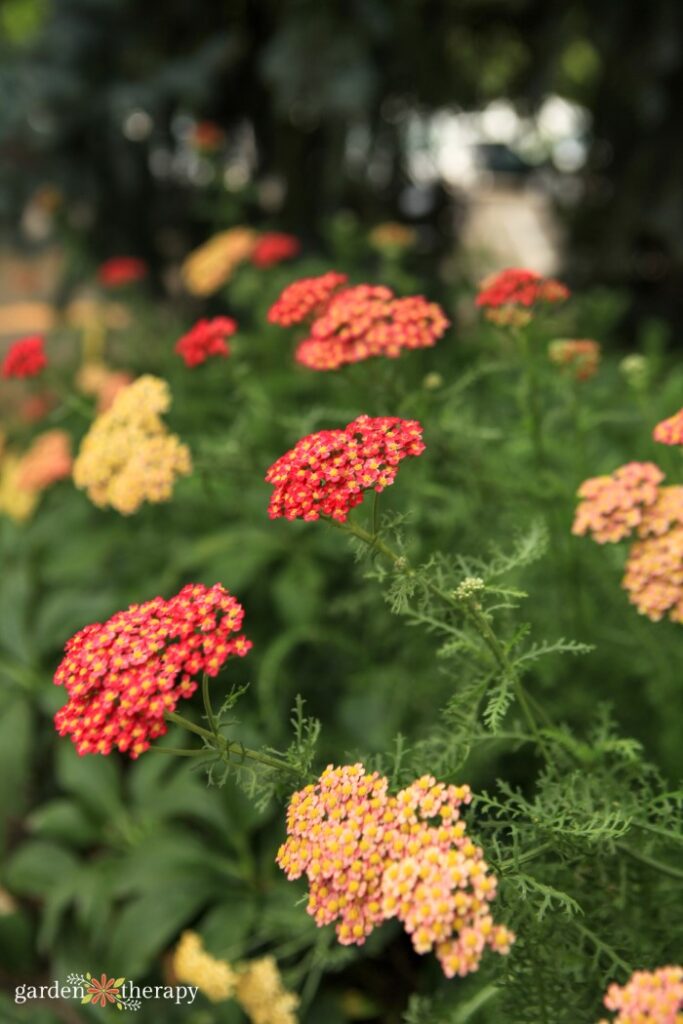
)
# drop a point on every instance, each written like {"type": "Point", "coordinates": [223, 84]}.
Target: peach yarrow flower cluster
{"type": "Point", "coordinates": [631, 502]}
{"type": "Point", "coordinates": [612, 506]}
{"type": "Point", "coordinates": [350, 324]}
{"type": "Point", "coordinates": [123, 675]}
{"type": "Point", "coordinates": [649, 997]}
{"type": "Point", "coordinates": [327, 473]}
{"type": "Point", "coordinates": [369, 856]}
{"type": "Point", "coordinates": [129, 456]}
{"type": "Point", "coordinates": [510, 298]}
{"type": "Point", "coordinates": [670, 431]}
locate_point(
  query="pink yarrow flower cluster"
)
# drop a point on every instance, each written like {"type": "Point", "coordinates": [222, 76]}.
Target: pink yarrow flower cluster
{"type": "Point", "coordinates": [649, 997]}
{"type": "Point", "coordinates": [327, 473]}
{"type": "Point", "coordinates": [206, 339]}
{"type": "Point", "coordinates": [369, 856]}
{"type": "Point", "coordinates": [350, 324]}
{"type": "Point", "coordinates": [124, 675]}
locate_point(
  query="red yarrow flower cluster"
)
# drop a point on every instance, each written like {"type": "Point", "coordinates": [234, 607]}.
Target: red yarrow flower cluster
{"type": "Point", "coordinates": [121, 270]}
{"type": "Point", "coordinates": [123, 675]}
{"type": "Point", "coordinates": [649, 997]}
{"type": "Point", "coordinates": [670, 431]}
{"type": "Point", "coordinates": [25, 358]}
{"type": "Point", "coordinates": [369, 856]}
{"type": "Point", "coordinates": [613, 506]}
{"type": "Point", "coordinates": [509, 297]}
{"type": "Point", "coordinates": [326, 474]}
{"type": "Point", "coordinates": [206, 339]}
{"type": "Point", "coordinates": [356, 323]}
{"type": "Point", "coordinates": [305, 298]}
{"type": "Point", "coordinates": [274, 247]}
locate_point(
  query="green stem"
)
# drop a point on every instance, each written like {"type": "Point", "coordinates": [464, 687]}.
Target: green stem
{"type": "Point", "coordinates": [179, 752]}
{"type": "Point", "coordinates": [529, 855]}
{"type": "Point", "coordinates": [207, 706]}
{"type": "Point", "coordinates": [650, 862]}
{"type": "Point", "coordinates": [225, 747]}
{"type": "Point", "coordinates": [472, 611]}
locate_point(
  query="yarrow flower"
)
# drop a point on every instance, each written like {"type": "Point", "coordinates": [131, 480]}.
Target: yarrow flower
{"type": "Point", "coordinates": [16, 502]}
{"type": "Point", "coordinates": [654, 568]}
{"type": "Point", "coordinates": [128, 456]}
{"type": "Point", "coordinates": [274, 247]}
{"type": "Point", "coordinates": [305, 298]}
{"type": "Point", "coordinates": [356, 323]}
{"type": "Point", "coordinates": [46, 461]}
{"type": "Point", "coordinates": [256, 984]}
{"type": "Point", "coordinates": [206, 339]}
{"type": "Point", "coordinates": [581, 356]}
{"type": "Point", "coordinates": [509, 297]}
{"type": "Point", "coordinates": [212, 265]}
{"type": "Point", "coordinates": [123, 675]}
{"type": "Point", "coordinates": [193, 965]}
{"type": "Point", "coordinates": [327, 473]}
{"type": "Point", "coordinates": [207, 136]}
{"type": "Point", "coordinates": [25, 358]}
{"type": "Point", "coordinates": [121, 270]}
{"type": "Point", "coordinates": [613, 506]}
{"type": "Point", "coordinates": [102, 382]}
{"type": "Point", "coordinates": [670, 431]}
{"type": "Point", "coordinates": [369, 856]}
{"type": "Point", "coordinates": [392, 236]}
{"type": "Point", "coordinates": [649, 997]}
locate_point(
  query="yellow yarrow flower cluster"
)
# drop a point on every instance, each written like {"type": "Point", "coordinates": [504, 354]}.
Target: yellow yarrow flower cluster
{"type": "Point", "coordinates": [16, 502]}
{"type": "Point", "coordinates": [256, 985]}
{"type": "Point", "coordinates": [210, 266]}
{"type": "Point", "coordinates": [129, 456]}
{"type": "Point", "coordinates": [192, 965]}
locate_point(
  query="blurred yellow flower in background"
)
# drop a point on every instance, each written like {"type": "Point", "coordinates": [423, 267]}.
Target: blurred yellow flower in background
{"type": "Point", "coordinates": [210, 266]}
{"type": "Point", "coordinates": [129, 456]}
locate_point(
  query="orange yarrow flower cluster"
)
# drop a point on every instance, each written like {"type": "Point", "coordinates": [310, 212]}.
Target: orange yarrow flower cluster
{"type": "Point", "coordinates": [369, 856]}
{"type": "Point", "coordinates": [580, 356]}
{"type": "Point", "coordinates": [670, 431]}
{"type": "Point", "coordinates": [46, 461]}
{"type": "Point", "coordinates": [327, 473]}
{"type": "Point", "coordinates": [649, 997]}
{"type": "Point", "coordinates": [509, 298]}
{"type": "Point", "coordinates": [351, 324]}
{"type": "Point", "coordinates": [123, 675]}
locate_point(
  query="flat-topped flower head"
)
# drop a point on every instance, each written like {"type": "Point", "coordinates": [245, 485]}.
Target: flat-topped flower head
{"type": "Point", "coordinates": [369, 856]}
{"type": "Point", "coordinates": [670, 431]}
{"type": "Point", "coordinates": [327, 474]}
{"type": "Point", "coordinates": [509, 298]}
{"type": "Point", "coordinates": [612, 507]}
{"type": "Point", "coordinates": [305, 298]}
{"type": "Point", "coordinates": [206, 339]}
{"type": "Point", "coordinates": [653, 578]}
{"type": "Point", "coordinates": [209, 267]}
{"type": "Point", "coordinates": [123, 675]}
{"type": "Point", "coordinates": [25, 358]}
{"type": "Point", "coordinates": [274, 247]}
{"type": "Point", "coordinates": [649, 997]}
{"type": "Point", "coordinates": [192, 964]}
{"type": "Point", "coordinates": [128, 456]}
{"type": "Point", "coordinates": [121, 270]}
{"type": "Point", "coordinates": [580, 356]}
{"type": "Point", "coordinates": [366, 321]}
{"type": "Point", "coordinates": [46, 461]}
